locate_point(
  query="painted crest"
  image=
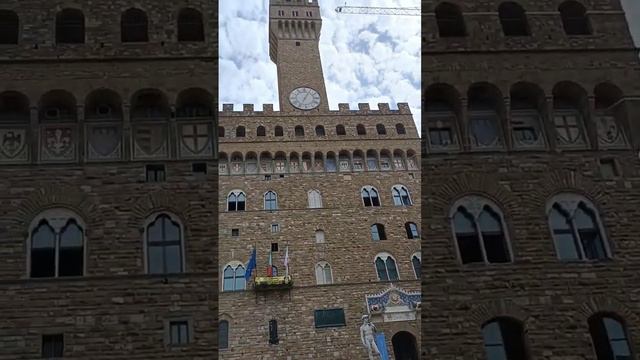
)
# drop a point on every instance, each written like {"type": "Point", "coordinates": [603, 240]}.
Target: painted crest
{"type": "Point", "coordinates": [150, 140]}
{"type": "Point", "coordinates": [393, 304]}
{"type": "Point", "coordinates": [484, 131]}
{"type": "Point", "coordinates": [12, 143]}
{"type": "Point", "coordinates": [104, 141]}
{"type": "Point", "coordinates": [195, 137]}
{"type": "Point", "coordinates": [609, 133]}
{"type": "Point", "coordinates": [57, 143]}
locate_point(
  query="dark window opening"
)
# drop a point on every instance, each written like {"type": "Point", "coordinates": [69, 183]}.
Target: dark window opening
{"type": "Point", "coordinates": [190, 25]}
{"type": "Point", "coordinates": [320, 130]}
{"type": "Point", "coordinates": [504, 339]}
{"type": "Point", "coordinates": [329, 318]}
{"type": "Point", "coordinates": [261, 131]}
{"type": "Point", "coordinates": [381, 129]}
{"type": "Point", "coordinates": [220, 131]}
{"type": "Point", "coordinates": [223, 334]}
{"type": "Point", "coordinates": [609, 168]}
{"type": "Point", "coordinates": [235, 232]}
{"type": "Point", "coordinates": [9, 27]}
{"type": "Point", "coordinates": [400, 129]}
{"type": "Point", "coordinates": [513, 19]}
{"type": "Point", "coordinates": [609, 337]}
{"type": "Point", "coordinates": [377, 232]}
{"type": "Point", "coordinates": [440, 136]}
{"type": "Point", "coordinates": [199, 168]}
{"type": "Point", "coordinates": [240, 131]}
{"type": "Point", "coordinates": [574, 18]}
{"type": "Point", "coordinates": [52, 346]}
{"type": "Point", "coordinates": [70, 27]}
{"type": "Point", "coordinates": [273, 332]}
{"type": "Point", "coordinates": [134, 26]}
{"type": "Point", "coordinates": [155, 173]}
{"type": "Point", "coordinates": [299, 131]}
{"type": "Point", "coordinates": [361, 130]}
{"type": "Point", "coordinates": [179, 332]}
{"type": "Point", "coordinates": [274, 247]}
{"type": "Point", "coordinates": [340, 130]}
{"type": "Point", "coordinates": [278, 131]}
{"type": "Point", "coordinates": [450, 21]}
{"type": "Point", "coordinates": [412, 230]}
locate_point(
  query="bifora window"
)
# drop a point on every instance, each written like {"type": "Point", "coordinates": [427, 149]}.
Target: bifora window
{"type": "Point", "coordinates": [370, 196]}
{"type": "Point", "coordinates": [386, 267]}
{"type": "Point", "coordinates": [504, 340]}
{"type": "Point", "coordinates": [236, 201]}
{"type": "Point", "coordinates": [270, 201]}
{"type": "Point", "coordinates": [329, 318]}
{"type": "Point", "coordinates": [56, 245]}
{"type": "Point", "coordinates": [234, 279]}
{"type": "Point", "coordinates": [401, 196]}
{"type": "Point", "coordinates": [323, 273]}
{"type": "Point", "coordinates": [164, 246]}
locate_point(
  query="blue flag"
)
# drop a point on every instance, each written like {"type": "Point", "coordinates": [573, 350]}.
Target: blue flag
{"type": "Point", "coordinates": [382, 346]}
{"type": "Point", "coordinates": [250, 266]}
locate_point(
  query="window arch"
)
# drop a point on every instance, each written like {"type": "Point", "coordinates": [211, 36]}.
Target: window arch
{"type": "Point", "coordinates": [134, 26]}
{"type": "Point", "coordinates": [479, 231]}
{"type": "Point", "coordinates": [486, 111]}
{"type": "Point", "coordinates": [450, 21]}
{"type": "Point", "coordinates": [416, 262]}
{"type": "Point", "coordinates": [314, 198]}
{"type": "Point", "coordinates": [513, 19]}
{"type": "Point", "coordinates": [401, 195]}
{"type": "Point", "coordinates": [340, 130]}
{"type": "Point", "coordinates": [190, 25]}
{"type": "Point", "coordinates": [270, 201]}
{"type": "Point", "coordinates": [609, 337]}
{"type": "Point", "coordinates": [240, 131]}
{"type": "Point", "coordinates": [278, 131]}
{"type": "Point", "coordinates": [233, 277]}
{"type": "Point", "coordinates": [574, 18]}
{"type": "Point", "coordinates": [386, 268]}
{"type": "Point", "coordinates": [504, 339]}
{"type": "Point", "coordinates": [412, 230]}
{"type": "Point", "coordinates": [576, 228]}
{"type": "Point", "coordinates": [164, 245]}
{"type": "Point", "coordinates": [56, 245]}
{"type": "Point", "coordinates": [444, 109]}
{"type": "Point", "coordinates": [360, 129]}
{"type": "Point", "coordinates": [299, 130]}
{"type": "Point", "coordinates": [9, 27]}
{"type": "Point", "coordinates": [261, 131]}
{"type": "Point", "coordinates": [236, 201]}
{"type": "Point", "coordinates": [381, 129]}
{"type": "Point", "coordinates": [324, 275]}
{"type": "Point", "coordinates": [70, 27]}
{"type": "Point", "coordinates": [320, 237]}
{"type": "Point", "coordinates": [377, 232]}
{"type": "Point", "coordinates": [223, 334]}
{"type": "Point", "coordinates": [370, 196]}
{"type": "Point", "coordinates": [400, 130]}
{"type": "Point", "coordinates": [320, 130]}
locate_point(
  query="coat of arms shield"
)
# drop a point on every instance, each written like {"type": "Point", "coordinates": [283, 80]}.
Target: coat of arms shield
{"type": "Point", "coordinates": [104, 140]}
{"type": "Point", "coordinates": [195, 137]}
{"type": "Point", "coordinates": [150, 139]}
{"type": "Point", "coordinates": [12, 142]}
{"type": "Point", "coordinates": [608, 130]}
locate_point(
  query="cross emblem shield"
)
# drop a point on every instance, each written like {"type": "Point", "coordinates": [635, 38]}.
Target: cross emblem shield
{"type": "Point", "coordinates": [12, 142]}
{"type": "Point", "coordinates": [195, 137]}
{"type": "Point", "coordinates": [150, 138]}
{"type": "Point", "coordinates": [104, 139]}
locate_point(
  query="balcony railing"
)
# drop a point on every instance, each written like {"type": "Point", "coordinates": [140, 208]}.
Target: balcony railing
{"type": "Point", "coordinates": [266, 283]}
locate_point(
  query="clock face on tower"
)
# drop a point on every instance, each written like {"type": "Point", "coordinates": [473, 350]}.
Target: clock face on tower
{"type": "Point", "coordinates": [304, 98]}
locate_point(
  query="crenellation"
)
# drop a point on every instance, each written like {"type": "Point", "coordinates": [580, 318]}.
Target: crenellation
{"type": "Point", "coordinates": [247, 109]}
{"type": "Point", "coordinates": [364, 108]}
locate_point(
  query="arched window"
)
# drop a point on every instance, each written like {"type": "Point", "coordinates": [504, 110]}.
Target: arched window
{"type": "Point", "coordinates": [240, 131]}
{"type": "Point", "coordinates": [450, 21]}
{"type": "Point", "coordinates": [163, 238]}
{"type": "Point", "coordinates": [299, 130]}
{"type": "Point", "coordinates": [400, 129]}
{"type": "Point", "coordinates": [278, 131]}
{"type": "Point", "coordinates": [513, 19]}
{"type": "Point", "coordinates": [320, 130]}
{"type": "Point", "coordinates": [381, 129]}
{"type": "Point", "coordinates": [270, 201]}
{"type": "Point", "coordinates": [223, 334]}
{"type": "Point", "coordinates": [220, 131]}
{"type": "Point", "coordinates": [56, 245]}
{"type": "Point", "coordinates": [323, 273]}
{"type": "Point", "coordinates": [134, 26]}
{"type": "Point", "coordinates": [261, 131]}
{"type": "Point", "coordinates": [479, 231]}
{"type": "Point", "coordinates": [504, 339]}
{"type": "Point", "coordinates": [370, 196]}
{"type": "Point", "coordinates": [416, 262]}
{"type": "Point", "coordinates": [340, 130]}
{"type": "Point", "coordinates": [360, 129]}
{"type": "Point", "coordinates": [412, 230]}
{"type": "Point", "coordinates": [609, 337]}
{"type": "Point", "coordinates": [9, 27]}
{"type": "Point", "coordinates": [443, 111]}
{"type": "Point", "coordinates": [401, 196]}
{"type": "Point", "coordinates": [190, 25]}
{"type": "Point", "coordinates": [234, 279]}
{"type": "Point", "coordinates": [377, 232]}
{"type": "Point", "coordinates": [574, 18]}
{"type": "Point", "coordinates": [314, 199]}
{"type": "Point", "coordinates": [386, 267]}
{"type": "Point", "coordinates": [70, 27]}
{"type": "Point", "coordinates": [236, 201]}
{"type": "Point", "coordinates": [319, 236]}
{"type": "Point", "coordinates": [576, 228]}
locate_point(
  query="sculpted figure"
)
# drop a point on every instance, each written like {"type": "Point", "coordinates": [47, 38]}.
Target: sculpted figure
{"type": "Point", "coordinates": [367, 335]}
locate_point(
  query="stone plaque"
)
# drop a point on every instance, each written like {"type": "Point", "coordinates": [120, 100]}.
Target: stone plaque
{"type": "Point", "coordinates": [13, 145]}
{"type": "Point", "coordinates": [104, 142]}
{"type": "Point", "coordinates": [57, 143]}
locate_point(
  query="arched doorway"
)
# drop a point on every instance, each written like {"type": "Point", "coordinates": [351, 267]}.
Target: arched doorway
{"type": "Point", "coordinates": [404, 346]}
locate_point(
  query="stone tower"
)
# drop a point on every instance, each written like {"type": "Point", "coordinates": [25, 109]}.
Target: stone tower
{"type": "Point", "coordinates": [107, 187]}
{"type": "Point", "coordinates": [530, 176]}
{"type": "Point", "coordinates": [294, 35]}
{"type": "Point", "coordinates": [338, 191]}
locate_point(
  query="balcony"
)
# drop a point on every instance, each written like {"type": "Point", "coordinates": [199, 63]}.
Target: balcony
{"type": "Point", "coordinates": [266, 283]}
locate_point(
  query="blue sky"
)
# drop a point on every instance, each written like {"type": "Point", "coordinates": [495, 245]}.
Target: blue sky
{"type": "Point", "coordinates": [365, 58]}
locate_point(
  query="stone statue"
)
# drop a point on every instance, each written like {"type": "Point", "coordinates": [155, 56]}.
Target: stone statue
{"type": "Point", "coordinates": [367, 335]}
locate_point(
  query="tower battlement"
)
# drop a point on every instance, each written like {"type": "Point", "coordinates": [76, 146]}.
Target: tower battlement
{"type": "Point", "coordinates": [343, 108]}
